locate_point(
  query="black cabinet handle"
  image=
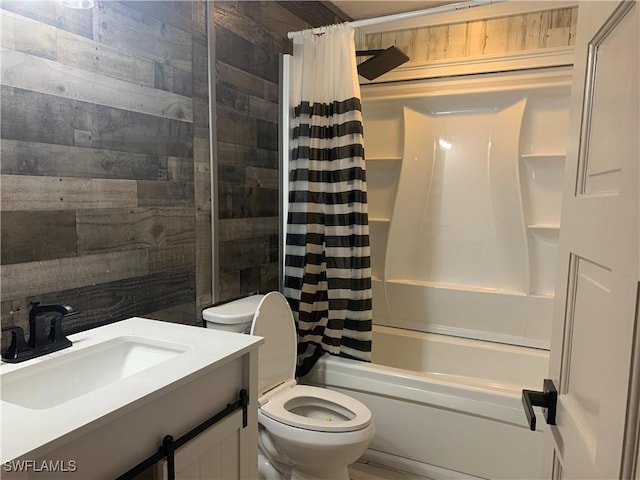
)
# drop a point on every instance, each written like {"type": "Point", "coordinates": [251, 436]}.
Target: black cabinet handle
{"type": "Point", "coordinates": [547, 399]}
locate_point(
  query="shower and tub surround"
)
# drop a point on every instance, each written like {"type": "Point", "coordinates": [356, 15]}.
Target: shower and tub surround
{"type": "Point", "coordinates": [464, 167]}
{"type": "Point", "coordinates": [444, 407]}
{"type": "Point", "coordinates": [465, 180]}
{"type": "Point", "coordinates": [327, 277]}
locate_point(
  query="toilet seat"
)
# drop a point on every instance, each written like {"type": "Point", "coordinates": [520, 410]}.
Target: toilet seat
{"type": "Point", "coordinates": [317, 409]}
{"type": "Point", "coordinates": [280, 398]}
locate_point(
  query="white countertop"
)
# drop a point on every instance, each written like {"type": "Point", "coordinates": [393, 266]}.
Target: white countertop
{"type": "Point", "coordinates": [26, 430]}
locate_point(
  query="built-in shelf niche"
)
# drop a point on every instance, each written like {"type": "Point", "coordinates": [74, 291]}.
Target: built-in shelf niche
{"type": "Point", "coordinates": [542, 161]}
{"type": "Point", "coordinates": [383, 155]}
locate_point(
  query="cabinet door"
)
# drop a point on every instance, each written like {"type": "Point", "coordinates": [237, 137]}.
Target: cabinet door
{"type": "Point", "coordinates": [214, 454]}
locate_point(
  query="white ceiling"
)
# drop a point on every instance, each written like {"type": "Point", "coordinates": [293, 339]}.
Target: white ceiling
{"type": "Point", "coordinates": [360, 9]}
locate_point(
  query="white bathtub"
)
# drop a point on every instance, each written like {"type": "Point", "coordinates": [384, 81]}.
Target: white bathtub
{"type": "Point", "coordinates": [444, 407]}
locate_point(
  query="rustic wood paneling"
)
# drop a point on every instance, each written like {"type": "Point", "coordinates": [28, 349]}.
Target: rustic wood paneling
{"type": "Point", "coordinates": [177, 14]}
{"type": "Point", "coordinates": [234, 154]}
{"type": "Point", "coordinates": [107, 230]}
{"type": "Point", "coordinates": [262, 177]}
{"type": "Point", "coordinates": [98, 174]}
{"type": "Point", "coordinates": [199, 20]}
{"type": "Point", "coordinates": [45, 159]}
{"type": "Point", "coordinates": [204, 254]}
{"type": "Point", "coordinates": [232, 98]}
{"type": "Point", "coordinates": [106, 194]}
{"type": "Point", "coordinates": [38, 117]}
{"type": "Point", "coordinates": [314, 13]}
{"type": "Point", "coordinates": [244, 21]}
{"type": "Point", "coordinates": [269, 279]}
{"type": "Point", "coordinates": [35, 278]}
{"type": "Point", "coordinates": [26, 35]}
{"type": "Point", "coordinates": [267, 135]}
{"type": "Point", "coordinates": [176, 169]}
{"type": "Point", "coordinates": [232, 174]}
{"type": "Point", "coordinates": [229, 284]}
{"type": "Point", "coordinates": [167, 194]}
{"type": "Point", "coordinates": [516, 33]}
{"type": "Point", "coordinates": [96, 57]}
{"type": "Point", "coordinates": [55, 14]}
{"type": "Point", "coordinates": [250, 279]}
{"type": "Point", "coordinates": [263, 109]}
{"type": "Point", "coordinates": [20, 192]}
{"type": "Point", "coordinates": [241, 228]}
{"type": "Point", "coordinates": [49, 77]}
{"type": "Point", "coordinates": [236, 127]}
{"type": "Point", "coordinates": [246, 82]}
{"type": "Point", "coordinates": [173, 79]}
{"type": "Point", "coordinates": [134, 296]}
{"type": "Point", "coordinates": [177, 314]}
{"type": "Point", "coordinates": [127, 28]}
{"type": "Point", "coordinates": [200, 71]}
{"type": "Point", "coordinates": [108, 302]}
{"type": "Point", "coordinates": [171, 257]}
{"type": "Point", "coordinates": [240, 201]}
{"type": "Point", "coordinates": [248, 39]}
{"type": "Point", "coordinates": [238, 52]}
{"type": "Point", "coordinates": [279, 19]}
{"type": "Point", "coordinates": [30, 236]}
{"type": "Point", "coordinates": [249, 253]}
{"type": "Point", "coordinates": [23, 34]}
{"type": "Point", "coordinates": [200, 118]}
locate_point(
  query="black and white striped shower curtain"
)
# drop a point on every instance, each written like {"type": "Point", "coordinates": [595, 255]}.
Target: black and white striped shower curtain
{"type": "Point", "coordinates": [328, 269]}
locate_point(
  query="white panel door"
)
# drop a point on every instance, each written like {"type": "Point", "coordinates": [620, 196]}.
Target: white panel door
{"type": "Point", "coordinates": [597, 283]}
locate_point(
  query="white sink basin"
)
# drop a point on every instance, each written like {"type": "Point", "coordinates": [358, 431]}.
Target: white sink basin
{"type": "Point", "coordinates": [124, 370]}
{"type": "Point", "coordinates": [51, 383]}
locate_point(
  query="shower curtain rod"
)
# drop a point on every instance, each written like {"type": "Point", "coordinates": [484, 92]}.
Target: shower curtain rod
{"type": "Point", "coordinates": [404, 16]}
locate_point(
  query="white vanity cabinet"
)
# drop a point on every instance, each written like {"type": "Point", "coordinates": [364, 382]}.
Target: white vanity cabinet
{"type": "Point", "coordinates": [215, 453]}
{"type": "Point", "coordinates": [120, 422]}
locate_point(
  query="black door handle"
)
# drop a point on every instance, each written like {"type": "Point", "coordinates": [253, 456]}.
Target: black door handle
{"type": "Point", "coordinates": [546, 399]}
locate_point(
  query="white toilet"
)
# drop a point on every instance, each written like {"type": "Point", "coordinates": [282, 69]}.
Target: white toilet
{"type": "Point", "coordinates": [305, 432]}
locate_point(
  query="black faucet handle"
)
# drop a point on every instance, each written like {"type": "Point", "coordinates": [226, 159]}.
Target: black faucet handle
{"type": "Point", "coordinates": [37, 331]}
{"type": "Point", "coordinates": [18, 344]}
{"type": "Point", "coordinates": [38, 337]}
{"type": "Point", "coordinates": [56, 333]}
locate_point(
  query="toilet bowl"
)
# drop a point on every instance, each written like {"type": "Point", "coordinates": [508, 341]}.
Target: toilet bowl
{"type": "Point", "coordinates": [306, 433]}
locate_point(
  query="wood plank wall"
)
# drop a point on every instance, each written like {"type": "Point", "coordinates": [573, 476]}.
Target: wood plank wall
{"type": "Point", "coordinates": [105, 170]}
{"type": "Point", "coordinates": [515, 33]}
{"type": "Point", "coordinates": [105, 192]}
{"type": "Point", "coordinates": [248, 39]}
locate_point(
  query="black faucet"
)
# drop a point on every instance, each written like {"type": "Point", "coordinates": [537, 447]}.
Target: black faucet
{"type": "Point", "coordinates": [39, 342]}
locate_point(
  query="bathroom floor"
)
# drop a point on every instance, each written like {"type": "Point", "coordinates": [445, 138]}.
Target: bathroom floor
{"type": "Point", "coordinates": [369, 471]}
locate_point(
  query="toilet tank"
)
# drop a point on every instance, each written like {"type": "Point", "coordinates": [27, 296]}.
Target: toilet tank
{"type": "Point", "coordinates": [235, 316]}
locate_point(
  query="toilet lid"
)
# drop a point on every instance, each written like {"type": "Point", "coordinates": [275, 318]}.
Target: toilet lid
{"type": "Point", "coordinates": [318, 409]}
{"type": "Point", "coordinates": [277, 356]}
